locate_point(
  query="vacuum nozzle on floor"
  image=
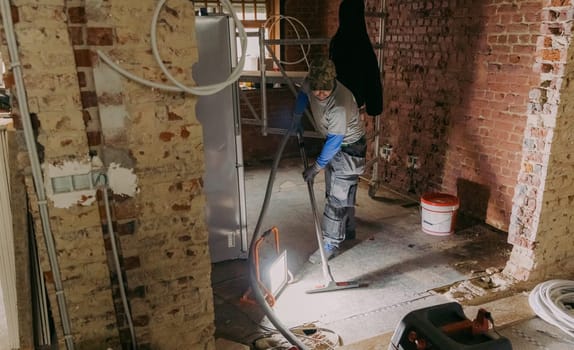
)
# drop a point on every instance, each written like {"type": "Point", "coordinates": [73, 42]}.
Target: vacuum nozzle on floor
{"type": "Point", "coordinates": [333, 286]}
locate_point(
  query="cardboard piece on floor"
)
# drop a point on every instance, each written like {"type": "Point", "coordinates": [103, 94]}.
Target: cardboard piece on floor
{"type": "Point", "coordinates": [224, 344]}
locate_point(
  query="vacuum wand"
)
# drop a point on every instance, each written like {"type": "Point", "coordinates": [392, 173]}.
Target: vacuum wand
{"type": "Point", "coordinates": [330, 284]}
{"type": "Point", "coordinates": [326, 269]}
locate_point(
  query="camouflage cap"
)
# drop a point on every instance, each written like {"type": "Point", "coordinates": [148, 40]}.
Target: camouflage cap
{"type": "Point", "coordinates": [322, 74]}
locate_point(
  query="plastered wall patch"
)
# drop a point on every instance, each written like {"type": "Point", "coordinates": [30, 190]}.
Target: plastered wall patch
{"type": "Point", "coordinates": [72, 182]}
{"type": "Point", "coordinates": [122, 181]}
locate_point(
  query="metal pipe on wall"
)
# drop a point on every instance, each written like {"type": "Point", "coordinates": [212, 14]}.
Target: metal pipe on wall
{"type": "Point", "coordinates": [376, 151]}
{"type": "Point", "coordinates": [263, 83]}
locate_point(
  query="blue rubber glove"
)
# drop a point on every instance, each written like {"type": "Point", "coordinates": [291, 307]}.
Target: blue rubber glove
{"type": "Point", "coordinates": [311, 171]}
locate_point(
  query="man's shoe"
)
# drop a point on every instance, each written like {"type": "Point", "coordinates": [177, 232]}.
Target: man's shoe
{"type": "Point", "coordinates": [330, 252]}
{"type": "Point", "coordinates": [350, 235]}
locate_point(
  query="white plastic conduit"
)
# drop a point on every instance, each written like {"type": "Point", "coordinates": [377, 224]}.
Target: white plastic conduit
{"type": "Point", "coordinates": [180, 87]}
{"type": "Point", "coordinates": [36, 169]}
{"type": "Point", "coordinates": [128, 315]}
{"type": "Point", "coordinates": [7, 258]}
{"type": "Point", "coordinates": [272, 21]}
{"type": "Point", "coordinates": [552, 301]}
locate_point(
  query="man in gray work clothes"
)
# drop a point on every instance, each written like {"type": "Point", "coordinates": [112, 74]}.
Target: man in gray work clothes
{"type": "Point", "coordinates": [342, 157]}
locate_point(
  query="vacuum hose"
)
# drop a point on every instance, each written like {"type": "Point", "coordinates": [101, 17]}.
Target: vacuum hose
{"type": "Point", "coordinates": [256, 235]}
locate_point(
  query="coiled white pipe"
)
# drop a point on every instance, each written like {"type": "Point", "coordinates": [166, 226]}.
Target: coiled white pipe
{"type": "Point", "coordinates": [271, 21]}
{"type": "Point", "coordinates": [552, 300]}
{"type": "Point", "coordinates": [180, 87]}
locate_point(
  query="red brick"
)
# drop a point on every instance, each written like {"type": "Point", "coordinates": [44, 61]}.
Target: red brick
{"type": "Point", "coordinates": [166, 136]}
{"type": "Point", "coordinates": [82, 79]}
{"type": "Point", "coordinates": [77, 15]}
{"type": "Point", "coordinates": [94, 138]}
{"type": "Point", "coordinates": [83, 58]}
{"type": "Point", "coordinates": [558, 3]}
{"type": "Point", "coordinates": [76, 35]}
{"type": "Point", "coordinates": [100, 36]}
{"type": "Point", "coordinates": [89, 99]}
{"type": "Point", "coordinates": [132, 262]}
{"type": "Point", "coordinates": [86, 116]}
{"type": "Point", "coordinates": [551, 55]}
{"type": "Point", "coordinates": [15, 14]}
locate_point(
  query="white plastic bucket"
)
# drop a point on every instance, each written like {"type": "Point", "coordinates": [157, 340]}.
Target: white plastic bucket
{"type": "Point", "coordinates": [438, 213]}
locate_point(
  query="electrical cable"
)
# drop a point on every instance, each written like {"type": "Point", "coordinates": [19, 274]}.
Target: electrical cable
{"type": "Point", "coordinates": [116, 256]}
{"type": "Point", "coordinates": [553, 302]}
{"type": "Point", "coordinates": [257, 234]}
{"type": "Point", "coordinates": [209, 89]}
{"type": "Point", "coordinates": [271, 21]}
{"type": "Point", "coordinates": [312, 335]}
{"type": "Point", "coordinates": [180, 87]}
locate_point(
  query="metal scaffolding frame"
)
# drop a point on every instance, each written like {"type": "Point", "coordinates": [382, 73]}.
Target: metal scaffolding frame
{"type": "Point", "coordinates": [264, 76]}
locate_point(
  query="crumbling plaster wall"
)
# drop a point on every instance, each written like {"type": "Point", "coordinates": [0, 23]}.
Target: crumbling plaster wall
{"type": "Point", "coordinates": [541, 221]}
{"type": "Point", "coordinates": [149, 145]}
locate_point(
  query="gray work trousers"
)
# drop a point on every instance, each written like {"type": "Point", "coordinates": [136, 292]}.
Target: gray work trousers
{"type": "Point", "coordinates": [341, 181]}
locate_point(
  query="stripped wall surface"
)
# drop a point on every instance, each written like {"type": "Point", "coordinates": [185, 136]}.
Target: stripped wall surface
{"type": "Point", "coordinates": [82, 108]}
{"type": "Point", "coordinates": [541, 223]}
{"type": "Point", "coordinates": [144, 143]}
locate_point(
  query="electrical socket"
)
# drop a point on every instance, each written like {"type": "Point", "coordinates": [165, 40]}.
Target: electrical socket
{"type": "Point", "coordinates": [75, 182]}
{"type": "Point", "coordinates": [412, 162]}
{"type": "Point", "coordinates": [386, 151]}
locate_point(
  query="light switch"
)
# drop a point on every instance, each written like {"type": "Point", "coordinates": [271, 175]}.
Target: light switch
{"type": "Point", "coordinates": [62, 184]}
{"type": "Point", "coordinates": [82, 182]}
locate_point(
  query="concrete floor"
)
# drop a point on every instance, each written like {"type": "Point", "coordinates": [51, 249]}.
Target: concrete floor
{"type": "Point", "coordinates": [403, 268]}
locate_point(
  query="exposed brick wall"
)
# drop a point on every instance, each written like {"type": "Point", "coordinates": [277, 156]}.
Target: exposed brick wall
{"type": "Point", "coordinates": [307, 12]}
{"type": "Point", "coordinates": [458, 80]}
{"type": "Point", "coordinates": [88, 34]}
{"type": "Point", "coordinates": [50, 78]}
{"type": "Point", "coordinates": [163, 235]}
{"type": "Point", "coordinates": [541, 222]}
{"type": "Point", "coordinates": [82, 105]}
{"type": "Point", "coordinates": [457, 76]}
